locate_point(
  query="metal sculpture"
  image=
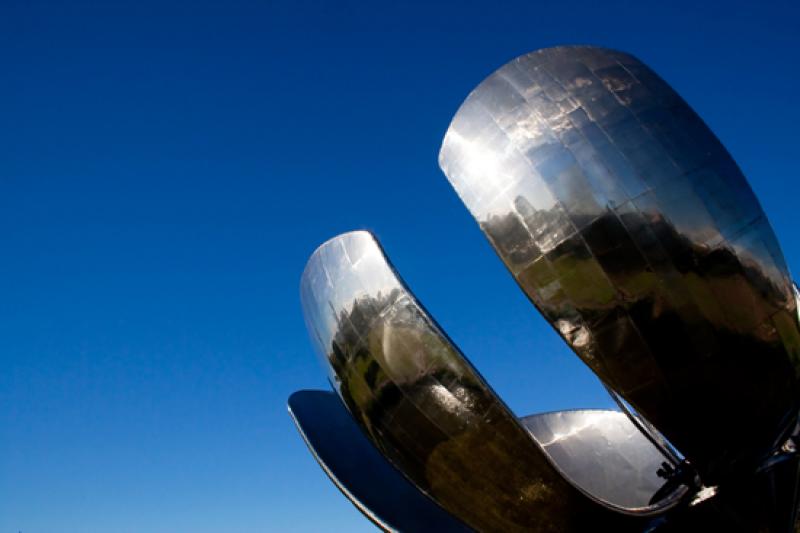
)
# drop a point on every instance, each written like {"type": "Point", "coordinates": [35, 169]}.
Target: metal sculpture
{"type": "Point", "coordinates": [632, 230]}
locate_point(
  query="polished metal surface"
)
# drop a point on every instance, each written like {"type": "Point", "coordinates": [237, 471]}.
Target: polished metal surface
{"type": "Point", "coordinates": [647, 429]}
{"type": "Point", "coordinates": [633, 231]}
{"type": "Point", "coordinates": [603, 453]}
{"type": "Point", "coordinates": [356, 467]}
{"type": "Point", "coordinates": [427, 409]}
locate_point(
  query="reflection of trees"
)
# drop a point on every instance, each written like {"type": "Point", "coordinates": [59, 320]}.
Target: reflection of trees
{"type": "Point", "coordinates": [386, 351]}
{"type": "Point", "coordinates": [696, 338]}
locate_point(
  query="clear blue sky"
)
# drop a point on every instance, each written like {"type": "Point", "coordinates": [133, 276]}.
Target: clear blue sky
{"type": "Point", "coordinates": [165, 171]}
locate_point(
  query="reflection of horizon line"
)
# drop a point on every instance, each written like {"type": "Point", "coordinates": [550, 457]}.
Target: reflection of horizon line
{"type": "Point", "coordinates": [747, 260]}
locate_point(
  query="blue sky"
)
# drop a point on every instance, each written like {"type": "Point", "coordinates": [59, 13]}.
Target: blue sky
{"type": "Point", "coordinates": [167, 168]}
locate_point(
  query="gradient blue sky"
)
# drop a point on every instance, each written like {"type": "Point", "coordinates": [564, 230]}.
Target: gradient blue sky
{"type": "Point", "coordinates": [166, 169]}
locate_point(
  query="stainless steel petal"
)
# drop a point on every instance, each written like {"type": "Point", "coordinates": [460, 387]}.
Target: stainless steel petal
{"type": "Point", "coordinates": [373, 485]}
{"type": "Point", "coordinates": [426, 408]}
{"type": "Point", "coordinates": [603, 453]}
{"type": "Point", "coordinates": [633, 231]}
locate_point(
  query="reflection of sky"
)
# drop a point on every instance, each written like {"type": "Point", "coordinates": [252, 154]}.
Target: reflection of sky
{"type": "Point", "coordinates": [601, 451]}
{"type": "Point", "coordinates": [596, 421]}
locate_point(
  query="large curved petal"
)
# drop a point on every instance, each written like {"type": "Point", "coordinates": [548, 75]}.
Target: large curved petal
{"type": "Point", "coordinates": [632, 230]}
{"type": "Point", "coordinates": [426, 408]}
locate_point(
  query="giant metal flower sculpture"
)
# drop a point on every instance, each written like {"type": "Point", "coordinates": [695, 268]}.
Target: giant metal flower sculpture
{"type": "Point", "coordinates": [631, 229]}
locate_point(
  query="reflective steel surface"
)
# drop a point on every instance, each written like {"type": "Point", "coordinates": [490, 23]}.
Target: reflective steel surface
{"type": "Point", "coordinates": [603, 453]}
{"type": "Point", "coordinates": [633, 231]}
{"type": "Point", "coordinates": [373, 485]}
{"type": "Point", "coordinates": [426, 408]}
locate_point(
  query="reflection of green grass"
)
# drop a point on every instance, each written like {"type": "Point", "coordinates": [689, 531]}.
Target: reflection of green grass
{"type": "Point", "coordinates": [703, 293]}
{"type": "Point", "coordinates": [640, 284]}
{"type": "Point", "coordinates": [586, 285]}
{"type": "Point", "coordinates": [581, 284]}
{"type": "Point", "coordinates": [569, 282]}
{"type": "Point", "coordinates": [354, 381]}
